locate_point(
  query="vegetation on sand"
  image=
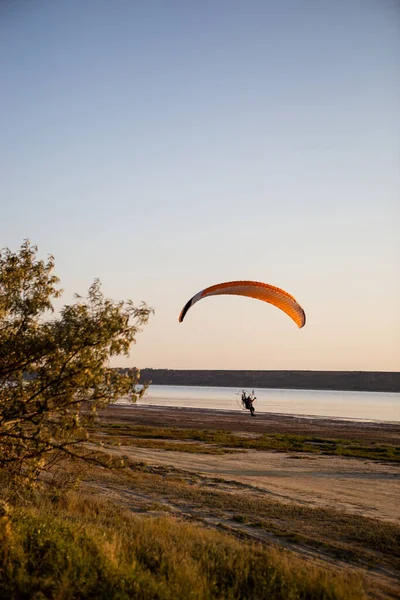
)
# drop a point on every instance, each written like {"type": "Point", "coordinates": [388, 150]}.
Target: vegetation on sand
{"type": "Point", "coordinates": [217, 442]}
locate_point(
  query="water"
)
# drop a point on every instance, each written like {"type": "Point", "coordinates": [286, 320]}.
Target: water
{"type": "Point", "coordinates": [358, 406]}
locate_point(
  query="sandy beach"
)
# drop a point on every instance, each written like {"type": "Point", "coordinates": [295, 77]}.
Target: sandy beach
{"type": "Point", "coordinates": [358, 486]}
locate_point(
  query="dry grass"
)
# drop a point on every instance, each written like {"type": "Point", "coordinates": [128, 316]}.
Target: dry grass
{"type": "Point", "coordinates": [214, 442]}
{"type": "Point", "coordinates": [352, 537]}
{"type": "Point", "coordinates": [83, 546]}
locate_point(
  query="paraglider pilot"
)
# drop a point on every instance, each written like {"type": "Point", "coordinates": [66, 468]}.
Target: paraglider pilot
{"type": "Point", "coordinates": [247, 401]}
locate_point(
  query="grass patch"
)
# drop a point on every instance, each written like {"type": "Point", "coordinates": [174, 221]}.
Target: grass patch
{"type": "Point", "coordinates": [223, 441]}
{"type": "Point", "coordinates": [361, 537]}
{"type": "Point", "coordinates": [239, 519]}
{"type": "Point", "coordinates": [85, 547]}
{"type": "Point", "coordinates": [174, 446]}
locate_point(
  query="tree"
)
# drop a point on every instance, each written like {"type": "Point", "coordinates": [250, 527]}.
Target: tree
{"type": "Point", "coordinates": [55, 371]}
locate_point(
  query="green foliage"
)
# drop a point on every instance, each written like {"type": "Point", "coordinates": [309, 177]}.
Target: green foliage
{"type": "Point", "coordinates": [54, 371]}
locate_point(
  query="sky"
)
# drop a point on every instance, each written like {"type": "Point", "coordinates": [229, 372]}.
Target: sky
{"type": "Point", "coordinates": [168, 145]}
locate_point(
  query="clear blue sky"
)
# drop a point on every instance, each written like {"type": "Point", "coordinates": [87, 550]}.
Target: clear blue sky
{"type": "Point", "coordinates": [164, 146]}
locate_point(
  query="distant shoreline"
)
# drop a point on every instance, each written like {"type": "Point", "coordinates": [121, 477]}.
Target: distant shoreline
{"type": "Point", "coordinates": [363, 381]}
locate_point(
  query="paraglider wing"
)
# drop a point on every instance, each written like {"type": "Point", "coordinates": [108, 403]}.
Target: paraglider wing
{"type": "Point", "coordinates": [252, 289]}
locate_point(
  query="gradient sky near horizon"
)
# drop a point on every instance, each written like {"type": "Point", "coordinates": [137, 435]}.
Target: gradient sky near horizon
{"type": "Point", "coordinates": [164, 146]}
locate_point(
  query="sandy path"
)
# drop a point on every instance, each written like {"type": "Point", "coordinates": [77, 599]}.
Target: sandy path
{"type": "Point", "coordinates": [358, 486]}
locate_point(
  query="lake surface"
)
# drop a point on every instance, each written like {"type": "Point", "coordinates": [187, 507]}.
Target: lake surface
{"type": "Point", "coordinates": [359, 406]}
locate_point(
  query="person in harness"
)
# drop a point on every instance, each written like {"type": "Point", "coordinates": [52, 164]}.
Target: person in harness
{"type": "Point", "coordinates": [247, 401]}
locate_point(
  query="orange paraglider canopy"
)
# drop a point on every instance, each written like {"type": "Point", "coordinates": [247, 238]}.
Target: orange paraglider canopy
{"type": "Point", "coordinates": [252, 289]}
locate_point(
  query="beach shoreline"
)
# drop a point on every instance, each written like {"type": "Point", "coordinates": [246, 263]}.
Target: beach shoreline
{"type": "Point", "coordinates": [358, 485]}
{"type": "Point", "coordinates": [234, 420]}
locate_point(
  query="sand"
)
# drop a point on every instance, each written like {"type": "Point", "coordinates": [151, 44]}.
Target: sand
{"type": "Point", "coordinates": [357, 486]}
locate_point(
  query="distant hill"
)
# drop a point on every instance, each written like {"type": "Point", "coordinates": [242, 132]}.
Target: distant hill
{"type": "Point", "coordinates": [313, 380]}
